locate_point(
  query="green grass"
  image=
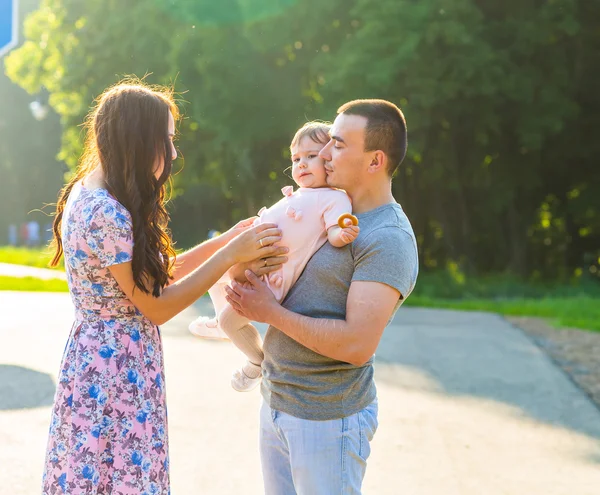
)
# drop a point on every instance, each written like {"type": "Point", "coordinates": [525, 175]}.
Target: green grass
{"type": "Point", "coordinates": [574, 304]}
{"type": "Point", "coordinates": [578, 312]}
{"type": "Point", "coordinates": [32, 284]}
{"type": "Point", "coordinates": [38, 257]}
{"type": "Point", "coordinates": [444, 284]}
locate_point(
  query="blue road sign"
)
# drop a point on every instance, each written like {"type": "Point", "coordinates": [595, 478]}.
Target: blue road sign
{"type": "Point", "coordinates": [9, 23]}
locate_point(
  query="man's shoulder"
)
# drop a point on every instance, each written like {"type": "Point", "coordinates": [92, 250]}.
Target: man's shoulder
{"type": "Point", "coordinates": [389, 225]}
{"type": "Point", "coordinates": [388, 240]}
{"type": "Point", "coordinates": [391, 233]}
{"type": "Point", "coordinates": [387, 252]}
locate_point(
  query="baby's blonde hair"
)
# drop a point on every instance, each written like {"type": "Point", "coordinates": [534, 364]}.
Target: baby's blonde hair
{"type": "Point", "coordinates": [317, 131]}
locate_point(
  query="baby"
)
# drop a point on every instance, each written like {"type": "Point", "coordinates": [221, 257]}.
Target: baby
{"type": "Point", "coordinates": [307, 217]}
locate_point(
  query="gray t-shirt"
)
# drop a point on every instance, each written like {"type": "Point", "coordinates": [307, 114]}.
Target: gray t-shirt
{"type": "Point", "coordinates": [305, 384]}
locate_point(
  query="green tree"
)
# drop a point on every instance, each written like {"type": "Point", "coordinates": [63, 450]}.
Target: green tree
{"type": "Point", "coordinates": [500, 100]}
{"type": "Point", "coordinates": [489, 91]}
{"type": "Point", "coordinates": [30, 174]}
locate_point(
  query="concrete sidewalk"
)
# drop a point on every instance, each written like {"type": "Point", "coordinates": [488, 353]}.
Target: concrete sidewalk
{"type": "Point", "coordinates": [10, 270]}
{"type": "Point", "coordinates": [468, 406]}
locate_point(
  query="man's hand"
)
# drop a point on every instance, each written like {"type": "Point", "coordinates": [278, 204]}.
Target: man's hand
{"type": "Point", "coordinates": [254, 299]}
{"type": "Point", "coordinates": [260, 267]}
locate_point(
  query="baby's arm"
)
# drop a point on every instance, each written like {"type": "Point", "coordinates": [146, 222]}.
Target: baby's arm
{"type": "Point", "coordinates": [342, 226]}
{"type": "Point", "coordinates": [339, 237]}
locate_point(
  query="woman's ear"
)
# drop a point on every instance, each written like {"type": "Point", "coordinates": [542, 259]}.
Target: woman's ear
{"type": "Point", "coordinates": [378, 161]}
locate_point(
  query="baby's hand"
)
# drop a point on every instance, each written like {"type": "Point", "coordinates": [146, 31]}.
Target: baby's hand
{"type": "Point", "coordinates": [349, 233]}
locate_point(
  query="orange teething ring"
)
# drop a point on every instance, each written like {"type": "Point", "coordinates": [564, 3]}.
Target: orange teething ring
{"type": "Point", "coordinates": [345, 216]}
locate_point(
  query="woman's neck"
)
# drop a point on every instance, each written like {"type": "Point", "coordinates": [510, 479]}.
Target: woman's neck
{"type": "Point", "coordinates": [94, 180]}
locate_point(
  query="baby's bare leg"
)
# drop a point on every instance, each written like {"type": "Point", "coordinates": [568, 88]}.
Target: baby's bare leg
{"type": "Point", "coordinates": [243, 334]}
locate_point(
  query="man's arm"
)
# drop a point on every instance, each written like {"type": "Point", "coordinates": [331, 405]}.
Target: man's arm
{"type": "Point", "coordinates": [353, 340]}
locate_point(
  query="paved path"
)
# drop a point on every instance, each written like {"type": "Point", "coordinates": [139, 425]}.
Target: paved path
{"type": "Point", "coordinates": [468, 406]}
{"type": "Point", "coordinates": [10, 270]}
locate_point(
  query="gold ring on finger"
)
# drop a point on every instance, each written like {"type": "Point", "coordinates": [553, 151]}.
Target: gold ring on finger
{"type": "Point", "coordinates": [261, 243]}
{"type": "Point", "coordinates": [266, 262]}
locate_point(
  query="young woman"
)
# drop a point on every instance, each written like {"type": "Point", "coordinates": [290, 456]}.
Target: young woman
{"type": "Point", "coordinates": [108, 432]}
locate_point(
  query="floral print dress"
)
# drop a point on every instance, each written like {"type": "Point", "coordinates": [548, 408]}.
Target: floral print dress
{"type": "Point", "coordinates": [108, 433]}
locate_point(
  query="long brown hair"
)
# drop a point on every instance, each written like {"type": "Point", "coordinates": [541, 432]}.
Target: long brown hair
{"type": "Point", "coordinates": [127, 135]}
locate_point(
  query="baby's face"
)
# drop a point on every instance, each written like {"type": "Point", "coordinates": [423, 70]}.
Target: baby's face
{"type": "Point", "coordinates": [308, 168]}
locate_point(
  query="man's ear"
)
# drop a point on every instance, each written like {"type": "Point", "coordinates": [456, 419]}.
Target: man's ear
{"type": "Point", "coordinates": [378, 161]}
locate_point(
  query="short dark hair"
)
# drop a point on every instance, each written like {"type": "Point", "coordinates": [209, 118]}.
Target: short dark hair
{"type": "Point", "coordinates": [385, 129]}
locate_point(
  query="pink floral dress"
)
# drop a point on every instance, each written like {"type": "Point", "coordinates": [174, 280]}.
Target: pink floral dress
{"type": "Point", "coordinates": [108, 433]}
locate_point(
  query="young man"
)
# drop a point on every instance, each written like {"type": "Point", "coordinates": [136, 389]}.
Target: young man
{"type": "Point", "coordinates": [320, 403]}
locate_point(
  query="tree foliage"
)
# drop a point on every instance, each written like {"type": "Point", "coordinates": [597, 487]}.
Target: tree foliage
{"type": "Point", "coordinates": [30, 176]}
{"type": "Point", "coordinates": [500, 100]}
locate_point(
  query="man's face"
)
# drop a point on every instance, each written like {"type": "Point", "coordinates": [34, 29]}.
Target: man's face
{"type": "Point", "coordinates": [346, 161]}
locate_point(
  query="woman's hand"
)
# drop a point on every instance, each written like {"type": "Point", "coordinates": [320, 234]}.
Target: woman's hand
{"type": "Point", "coordinates": [237, 229]}
{"type": "Point", "coordinates": [256, 242]}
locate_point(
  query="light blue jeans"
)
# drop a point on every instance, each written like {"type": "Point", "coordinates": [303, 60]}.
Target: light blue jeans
{"type": "Point", "coordinates": [303, 457]}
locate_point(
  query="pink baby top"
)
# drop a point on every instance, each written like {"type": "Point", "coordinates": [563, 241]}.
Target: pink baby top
{"type": "Point", "coordinates": [303, 216]}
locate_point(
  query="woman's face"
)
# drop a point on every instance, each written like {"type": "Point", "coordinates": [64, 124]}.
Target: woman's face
{"type": "Point", "coordinates": [158, 169]}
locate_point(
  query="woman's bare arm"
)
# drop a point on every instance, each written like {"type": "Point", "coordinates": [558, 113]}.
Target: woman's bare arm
{"type": "Point", "coordinates": [182, 293]}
